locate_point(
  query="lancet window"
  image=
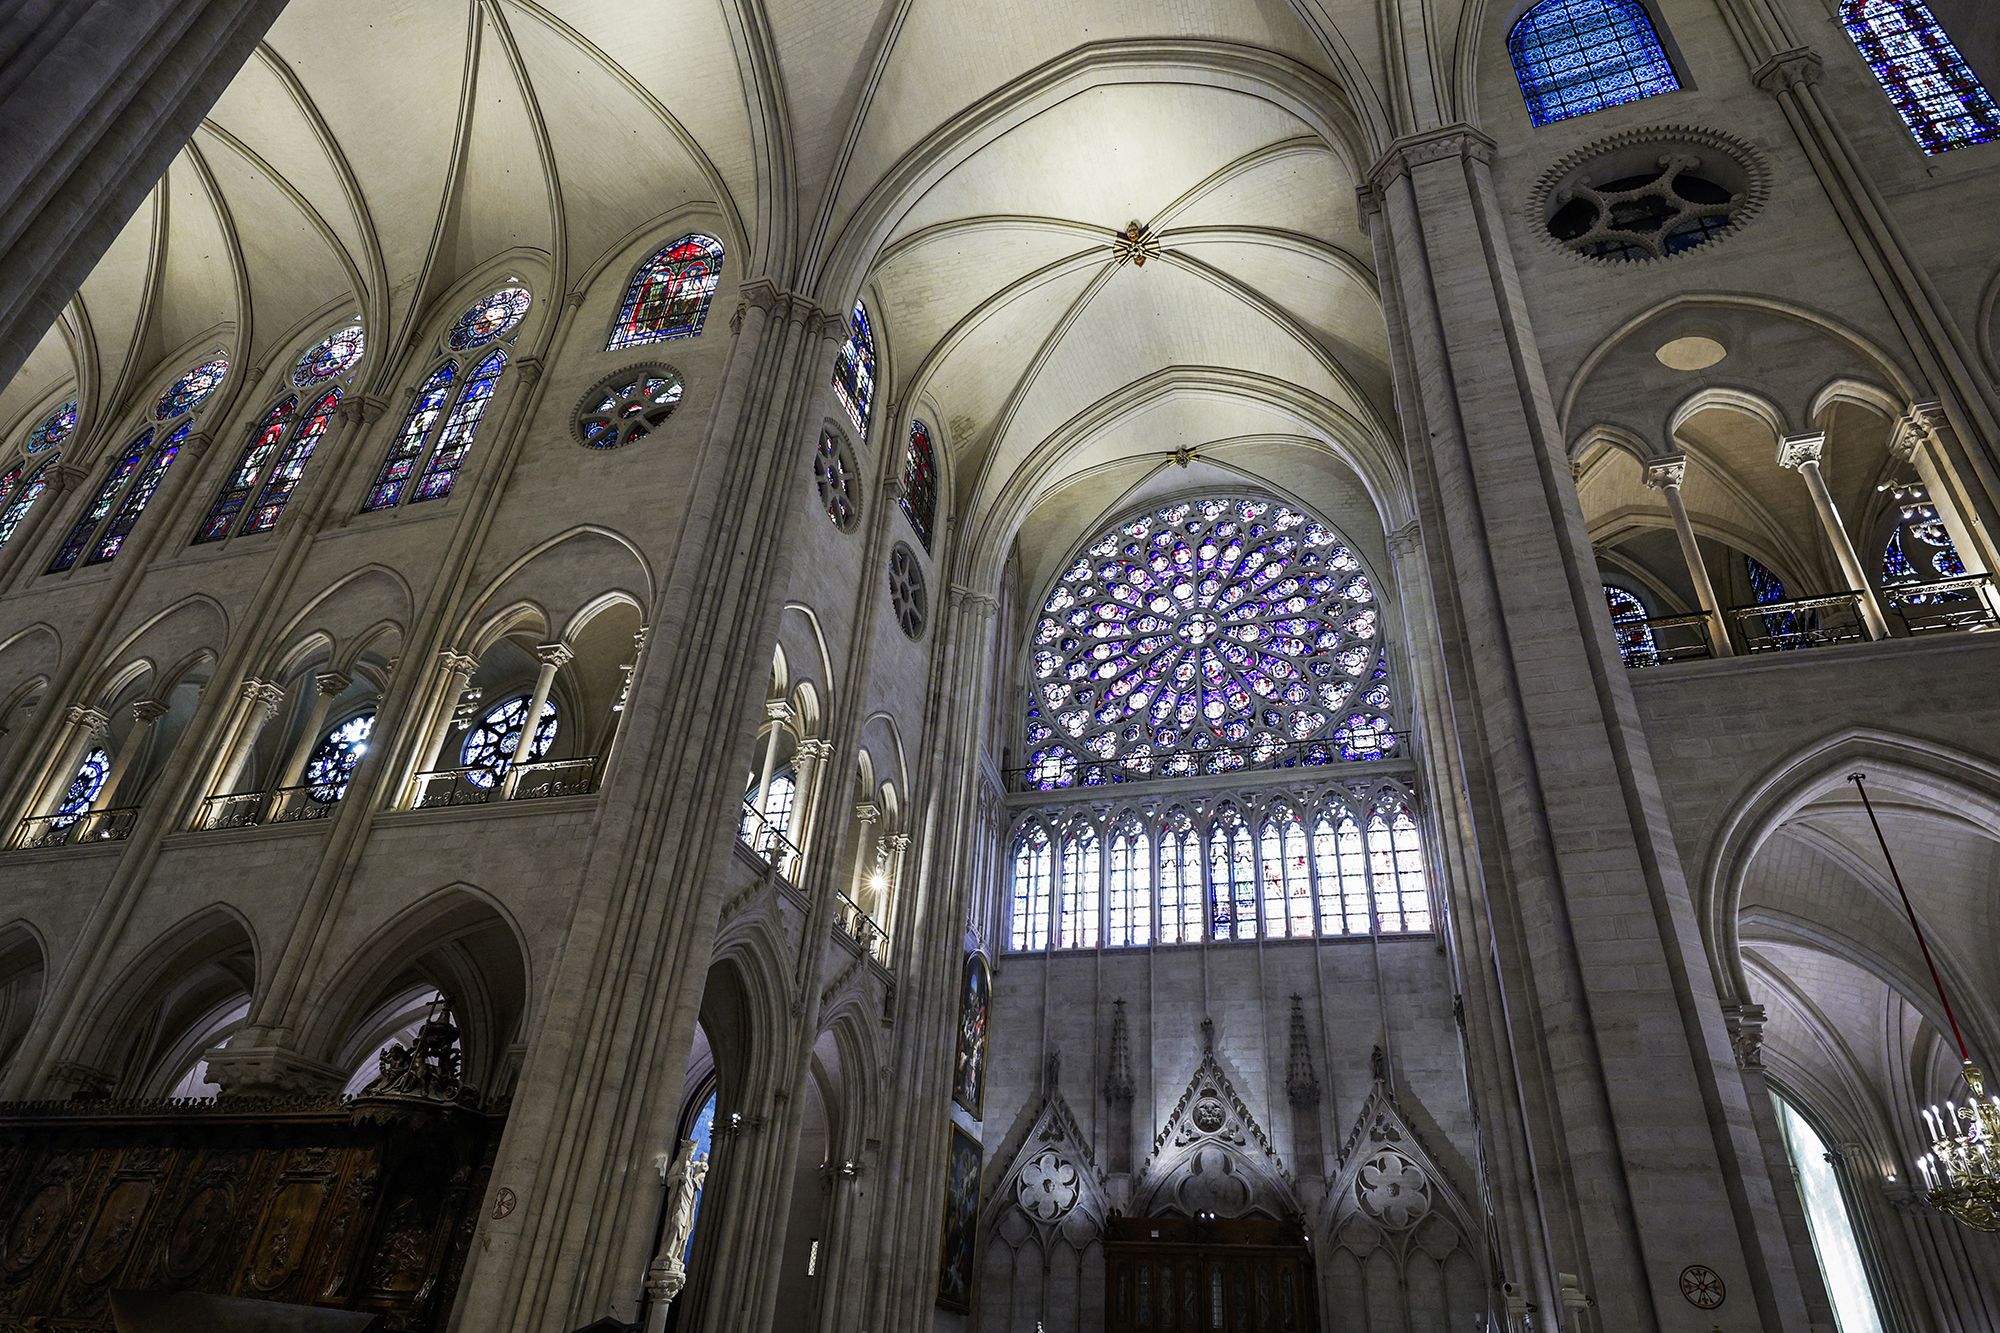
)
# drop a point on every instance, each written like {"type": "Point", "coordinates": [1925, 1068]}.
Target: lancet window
{"type": "Point", "coordinates": [273, 459]}
{"type": "Point", "coordinates": [854, 370]}
{"type": "Point", "coordinates": [1296, 864]}
{"type": "Point", "coordinates": [1573, 57]}
{"type": "Point", "coordinates": [20, 486]}
{"type": "Point", "coordinates": [494, 317]}
{"type": "Point", "coordinates": [1629, 627]}
{"type": "Point", "coordinates": [919, 498]}
{"type": "Point", "coordinates": [670, 294]}
{"type": "Point", "coordinates": [1928, 81]}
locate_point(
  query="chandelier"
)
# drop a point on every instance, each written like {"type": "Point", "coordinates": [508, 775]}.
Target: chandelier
{"type": "Point", "coordinates": [1961, 1172]}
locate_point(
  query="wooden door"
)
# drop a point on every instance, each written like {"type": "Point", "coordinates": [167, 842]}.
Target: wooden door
{"type": "Point", "coordinates": [1174, 1275]}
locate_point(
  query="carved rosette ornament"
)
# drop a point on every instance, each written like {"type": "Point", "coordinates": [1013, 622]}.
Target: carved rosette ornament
{"type": "Point", "coordinates": [1048, 1187]}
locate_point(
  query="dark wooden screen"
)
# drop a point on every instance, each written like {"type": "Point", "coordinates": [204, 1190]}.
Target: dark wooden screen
{"type": "Point", "coordinates": [1175, 1275]}
{"type": "Point", "coordinates": [283, 1200]}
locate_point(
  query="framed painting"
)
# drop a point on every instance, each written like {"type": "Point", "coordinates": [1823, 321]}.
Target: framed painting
{"type": "Point", "coordinates": [975, 1002]}
{"type": "Point", "coordinates": [959, 1254]}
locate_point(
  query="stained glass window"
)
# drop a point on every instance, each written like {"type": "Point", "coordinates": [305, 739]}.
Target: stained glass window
{"type": "Point", "coordinates": [1629, 627]}
{"type": "Point", "coordinates": [1129, 903]}
{"type": "Point", "coordinates": [780, 801]}
{"type": "Point", "coordinates": [1829, 1223]}
{"type": "Point", "coordinates": [1343, 880]}
{"type": "Point", "coordinates": [1396, 865]}
{"type": "Point", "coordinates": [332, 761]}
{"type": "Point", "coordinates": [1573, 57]}
{"type": "Point", "coordinates": [16, 502]}
{"type": "Point", "coordinates": [629, 407]}
{"type": "Point", "coordinates": [100, 504]}
{"type": "Point", "coordinates": [291, 465]}
{"type": "Point", "coordinates": [332, 355]}
{"type": "Point", "coordinates": [919, 498]}
{"type": "Point", "coordinates": [488, 318]}
{"type": "Point", "coordinates": [455, 440]}
{"type": "Point", "coordinates": [1181, 896]}
{"type": "Point", "coordinates": [489, 747]}
{"type": "Point", "coordinates": [854, 372]}
{"type": "Point", "coordinates": [52, 430]}
{"type": "Point", "coordinates": [83, 788]}
{"type": "Point", "coordinates": [1077, 925]}
{"type": "Point", "coordinates": [1206, 637]}
{"type": "Point", "coordinates": [1287, 875]}
{"type": "Point", "coordinates": [191, 390]}
{"type": "Point", "coordinates": [1932, 87]}
{"type": "Point", "coordinates": [138, 496]}
{"type": "Point", "coordinates": [408, 446]}
{"type": "Point", "coordinates": [1232, 878]}
{"type": "Point", "coordinates": [236, 490]}
{"type": "Point", "coordinates": [670, 294]}
{"type": "Point", "coordinates": [1033, 875]}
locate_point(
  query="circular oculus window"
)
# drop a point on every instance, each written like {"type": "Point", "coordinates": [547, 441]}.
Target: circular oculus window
{"type": "Point", "coordinates": [833, 475]}
{"type": "Point", "coordinates": [627, 406]}
{"type": "Point", "coordinates": [1650, 194]}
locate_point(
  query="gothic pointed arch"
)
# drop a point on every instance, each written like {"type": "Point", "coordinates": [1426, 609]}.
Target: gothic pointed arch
{"type": "Point", "coordinates": [1212, 1154]}
{"type": "Point", "coordinates": [1052, 1188]}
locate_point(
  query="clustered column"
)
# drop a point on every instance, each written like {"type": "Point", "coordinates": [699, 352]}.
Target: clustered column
{"type": "Point", "coordinates": [146, 715]}
{"type": "Point", "coordinates": [262, 701]}
{"type": "Point", "coordinates": [1666, 476]}
{"type": "Point", "coordinates": [1802, 454]}
{"type": "Point", "coordinates": [327, 686]}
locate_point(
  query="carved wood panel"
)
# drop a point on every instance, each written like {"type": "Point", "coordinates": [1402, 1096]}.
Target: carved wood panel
{"type": "Point", "coordinates": [283, 1200]}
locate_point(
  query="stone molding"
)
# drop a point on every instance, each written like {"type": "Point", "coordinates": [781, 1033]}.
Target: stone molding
{"type": "Point", "coordinates": [1402, 156]}
{"type": "Point", "coordinates": [1789, 70]}
{"type": "Point", "coordinates": [1667, 472]}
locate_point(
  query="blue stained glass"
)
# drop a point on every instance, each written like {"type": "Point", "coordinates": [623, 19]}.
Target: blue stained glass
{"type": "Point", "coordinates": [1629, 627]}
{"type": "Point", "coordinates": [82, 789]}
{"type": "Point", "coordinates": [235, 491]}
{"type": "Point", "coordinates": [1896, 565]}
{"type": "Point", "coordinates": [1573, 57]}
{"type": "Point", "coordinates": [455, 440]}
{"type": "Point", "coordinates": [138, 497]}
{"type": "Point", "coordinates": [1922, 534]}
{"type": "Point", "coordinates": [488, 318]}
{"type": "Point", "coordinates": [489, 747]}
{"type": "Point", "coordinates": [191, 390]}
{"type": "Point", "coordinates": [670, 294]}
{"type": "Point", "coordinates": [333, 759]}
{"type": "Point", "coordinates": [854, 371]}
{"type": "Point", "coordinates": [408, 446]}
{"type": "Point", "coordinates": [332, 355]}
{"type": "Point", "coordinates": [1930, 84]}
{"type": "Point", "coordinates": [100, 504]}
{"type": "Point", "coordinates": [20, 498]}
{"type": "Point", "coordinates": [291, 465]}
{"type": "Point", "coordinates": [53, 430]}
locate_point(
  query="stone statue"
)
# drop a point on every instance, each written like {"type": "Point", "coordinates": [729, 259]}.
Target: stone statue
{"type": "Point", "coordinates": [667, 1274]}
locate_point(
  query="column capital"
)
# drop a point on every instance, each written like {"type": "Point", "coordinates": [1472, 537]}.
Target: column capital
{"type": "Point", "coordinates": [1669, 470]}
{"type": "Point", "coordinates": [457, 663]}
{"type": "Point", "coordinates": [1917, 428]}
{"type": "Point", "coordinates": [1746, 1033]}
{"type": "Point", "coordinates": [867, 811]}
{"type": "Point", "coordinates": [267, 695]}
{"type": "Point", "coordinates": [555, 654]}
{"type": "Point", "coordinates": [1796, 451]}
{"type": "Point", "coordinates": [93, 720]}
{"type": "Point", "coordinates": [1406, 540]}
{"type": "Point", "coordinates": [332, 683]}
{"type": "Point", "coordinates": [777, 710]}
{"type": "Point", "coordinates": [1799, 67]}
{"type": "Point", "coordinates": [819, 751]}
{"type": "Point", "coordinates": [65, 477]}
{"type": "Point", "coordinates": [896, 843]}
{"type": "Point", "coordinates": [1446, 143]}
{"type": "Point", "coordinates": [963, 597]}
{"type": "Point", "coordinates": [148, 711]}
{"type": "Point", "coordinates": [360, 409]}
{"type": "Point", "coordinates": [527, 371]}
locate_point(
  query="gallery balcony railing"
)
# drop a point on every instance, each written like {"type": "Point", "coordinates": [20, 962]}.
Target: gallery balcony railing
{"type": "Point", "coordinates": [1660, 639]}
{"type": "Point", "coordinates": [1965, 602]}
{"type": "Point", "coordinates": [852, 924]}
{"type": "Point", "coordinates": [481, 786]}
{"type": "Point", "coordinates": [86, 826]}
{"type": "Point", "coordinates": [1799, 623]}
{"type": "Point", "coordinates": [767, 842]}
{"type": "Point", "coordinates": [284, 805]}
{"type": "Point", "coordinates": [1074, 772]}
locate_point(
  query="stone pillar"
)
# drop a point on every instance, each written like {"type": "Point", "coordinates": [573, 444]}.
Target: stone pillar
{"type": "Point", "coordinates": [1665, 475]}
{"type": "Point", "coordinates": [262, 701]}
{"type": "Point", "coordinates": [1745, 1023]}
{"type": "Point", "coordinates": [455, 671]}
{"type": "Point", "coordinates": [894, 848]}
{"type": "Point", "coordinates": [1635, 1134]}
{"type": "Point", "coordinates": [99, 97]}
{"type": "Point", "coordinates": [1924, 439]}
{"type": "Point", "coordinates": [553, 657]}
{"type": "Point", "coordinates": [1802, 454]}
{"type": "Point", "coordinates": [89, 728]}
{"type": "Point", "coordinates": [146, 715]}
{"type": "Point", "coordinates": [809, 761]}
{"type": "Point", "coordinates": [327, 686]}
{"type": "Point", "coordinates": [777, 713]}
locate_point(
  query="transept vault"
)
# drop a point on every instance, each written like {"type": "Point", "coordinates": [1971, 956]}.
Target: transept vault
{"type": "Point", "coordinates": [1275, 666]}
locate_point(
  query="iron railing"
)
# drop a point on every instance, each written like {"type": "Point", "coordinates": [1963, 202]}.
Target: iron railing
{"type": "Point", "coordinates": [1964, 603]}
{"type": "Point", "coordinates": [1659, 639]}
{"type": "Point", "coordinates": [1801, 622]}
{"type": "Point", "coordinates": [284, 805]}
{"type": "Point", "coordinates": [76, 829]}
{"type": "Point", "coordinates": [1221, 761]}
{"type": "Point", "coordinates": [767, 842]}
{"type": "Point", "coordinates": [851, 923]}
{"type": "Point", "coordinates": [530, 782]}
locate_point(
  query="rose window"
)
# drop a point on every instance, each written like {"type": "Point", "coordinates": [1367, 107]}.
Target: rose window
{"type": "Point", "coordinates": [628, 406]}
{"type": "Point", "coordinates": [1205, 637]}
{"type": "Point", "coordinates": [906, 590]}
{"type": "Point", "coordinates": [833, 474]}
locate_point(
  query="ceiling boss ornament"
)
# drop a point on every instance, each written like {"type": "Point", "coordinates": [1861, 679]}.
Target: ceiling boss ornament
{"type": "Point", "coordinates": [1136, 243]}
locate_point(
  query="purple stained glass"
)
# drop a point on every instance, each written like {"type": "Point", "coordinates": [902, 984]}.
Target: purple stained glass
{"type": "Point", "coordinates": [191, 390]}
{"type": "Point", "coordinates": [455, 440]}
{"type": "Point", "coordinates": [83, 788]}
{"type": "Point", "coordinates": [138, 496]}
{"type": "Point", "coordinates": [332, 761]}
{"type": "Point", "coordinates": [408, 446]}
{"type": "Point", "coordinates": [489, 747]}
{"type": "Point", "coordinates": [101, 502]}
{"type": "Point", "coordinates": [670, 294]}
{"type": "Point", "coordinates": [236, 491]}
{"type": "Point", "coordinates": [332, 355]}
{"type": "Point", "coordinates": [1930, 84]}
{"type": "Point", "coordinates": [854, 371]}
{"type": "Point", "coordinates": [919, 498]}
{"type": "Point", "coordinates": [22, 485]}
{"type": "Point", "coordinates": [291, 465]}
{"type": "Point", "coordinates": [53, 430]}
{"type": "Point", "coordinates": [1205, 637]}
{"type": "Point", "coordinates": [1573, 57]}
{"type": "Point", "coordinates": [489, 317]}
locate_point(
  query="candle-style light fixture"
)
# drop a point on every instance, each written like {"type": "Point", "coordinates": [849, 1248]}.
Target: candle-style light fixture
{"type": "Point", "coordinates": [1961, 1172]}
